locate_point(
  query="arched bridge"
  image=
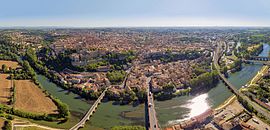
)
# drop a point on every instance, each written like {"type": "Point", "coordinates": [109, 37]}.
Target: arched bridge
{"type": "Point", "coordinates": [90, 112]}
{"type": "Point", "coordinates": [259, 58]}
{"type": "Point", "coordinates": [256, 62]}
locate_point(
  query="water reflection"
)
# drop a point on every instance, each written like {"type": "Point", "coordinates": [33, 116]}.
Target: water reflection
{"type": "Point", "coordinates": [185, 107]}
{"type": "Point", "coordinates": [199, 105]}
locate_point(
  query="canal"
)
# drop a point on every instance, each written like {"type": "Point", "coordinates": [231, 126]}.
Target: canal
{"type": "Point", "coordinates": [168, 112]}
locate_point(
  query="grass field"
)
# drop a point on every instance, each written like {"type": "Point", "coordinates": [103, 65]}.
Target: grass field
{"type": "Point", "coordinates": [5, 86]}
{"type": "Point", "coordinates": [29, 128]}
{"type": "Point", "coordinates": [11, 64]}
{"type": "Point", "coordinates": [30, 98]}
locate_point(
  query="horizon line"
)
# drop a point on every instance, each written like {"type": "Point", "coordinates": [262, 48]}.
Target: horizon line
{"type": "Point", "coordinates": [182, 26]}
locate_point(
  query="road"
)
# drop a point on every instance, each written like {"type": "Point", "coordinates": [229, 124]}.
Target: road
{"type": "Point", "coordinates": [153, 122]}
{"type": "Point", "coordinates": [255, 106]}
{"type": "Point", "coordinates": [89, 112]}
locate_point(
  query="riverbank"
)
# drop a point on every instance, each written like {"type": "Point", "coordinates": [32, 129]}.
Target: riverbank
{"type": "Point", "coordinates": [259, 75]}
{"type": "Point", "coordinates": [226, 103]}
{"type": "Point", "coordinates": [181, 108]}
{"type": "Point", "coordinates": [106, 116]}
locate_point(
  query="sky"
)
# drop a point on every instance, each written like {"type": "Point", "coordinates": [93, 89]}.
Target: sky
{"type": "Point", "coordinates": [134, 13]}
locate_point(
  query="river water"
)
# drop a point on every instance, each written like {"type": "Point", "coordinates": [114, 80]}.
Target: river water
{"type": "Point", "coordinates": [168, 112]}
{"type": "Point", "coordinates": [184, 107]}
{"type": "Point", "coordinates": [107, 115]}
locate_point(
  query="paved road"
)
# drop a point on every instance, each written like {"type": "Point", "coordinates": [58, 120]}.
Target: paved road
{"type": "Point", "coordinates": [153, 122]}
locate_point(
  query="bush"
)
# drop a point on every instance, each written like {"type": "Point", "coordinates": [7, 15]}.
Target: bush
{"type": "Point", "coordinates": [7, 125]}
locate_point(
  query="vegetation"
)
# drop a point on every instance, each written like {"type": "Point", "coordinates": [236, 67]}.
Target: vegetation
{"type": "Point", "coordinates": [169, 92]}
{"type": "Point", "coordinates": [23, 114]}
{"type": "Point", "coordinates": [116, 77]}
{"type": "Point", "coordinates": [8, 52]}
{"type": "Point", "coordinates": [127, 96]}
{"type": "Point", "coordinates": [236, 66]}
{"type": "Point", "coordinates": [251, 109]}
{"type": "Point", "coordinates": [63, 108]}
{"type": "Point", "coordinates": [128, 128]}
{"type": "Point", "coordinates": [116, 61]}
{"type": "Point", "coordinates": [27, 72]}
{"type": "Point", "coordinates": [170, 56]}
{"type": "Point", "coordinates": [7, 125]}
{"type": "Point", "coordinates": [205, 80]}
{"type": "Point", "coordinates": [248, 50]}
{"type": "Point", "coordinates": [262, 90]}
{"type": "Point", "coordinates": [13, 91]}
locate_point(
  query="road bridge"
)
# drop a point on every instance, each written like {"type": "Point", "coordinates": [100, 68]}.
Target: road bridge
{"type": "Point", "coordinates": [151, 119]}
{"type": "Point", "coordinates": [259, 58]}
{"type": "Point", "coordinates": [256, 62]}
{"type": "Point", "coordinates": [90, 112]}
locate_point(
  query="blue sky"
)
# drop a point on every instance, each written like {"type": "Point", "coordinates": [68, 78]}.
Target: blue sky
{"type": "Point", "coordinates": [119, 13]}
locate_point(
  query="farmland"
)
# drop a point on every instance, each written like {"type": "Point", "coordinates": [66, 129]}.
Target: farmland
{"type": "Point", "coordinates": [30, 98]}
{"type": "Point", "coordinates": [5, 87]}
{"type": "Point", "coordinates": [30, 128]}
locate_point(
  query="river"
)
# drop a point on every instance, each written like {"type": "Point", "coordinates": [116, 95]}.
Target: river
{"type": "Point", "coordinates": [107, 115]}
{"type": "Point", "coordinates": [181, 108]}
{"type": "Point", "coordinates": [168, 112]}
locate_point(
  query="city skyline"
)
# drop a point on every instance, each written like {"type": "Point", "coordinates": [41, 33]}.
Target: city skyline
{"type": "Point", "coordinates": [139, 13]}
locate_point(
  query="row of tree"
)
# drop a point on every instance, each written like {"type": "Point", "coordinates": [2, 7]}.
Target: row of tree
{"type": "Point", "coordinates": [23, 114]}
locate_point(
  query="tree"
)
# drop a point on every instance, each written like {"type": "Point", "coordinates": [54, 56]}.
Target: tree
{"type": "Point", "coordinates": [116, 76]}
{"type": "Point", "coordinates": [4, 68]}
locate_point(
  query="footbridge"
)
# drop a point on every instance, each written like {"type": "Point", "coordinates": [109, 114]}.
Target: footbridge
{"type": "Point", "coordinates": [90, 112]}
